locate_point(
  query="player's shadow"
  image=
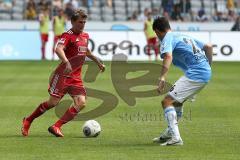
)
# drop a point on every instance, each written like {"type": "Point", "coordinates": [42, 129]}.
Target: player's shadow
{"type": "Point", "coordinates": [105, 144]}
{"type": "Point", "coordinates": [10, 136]}
{"type": "Point", "coordinates": [117, 144]}
{"type": "Point", "coordinates": [28, 137]}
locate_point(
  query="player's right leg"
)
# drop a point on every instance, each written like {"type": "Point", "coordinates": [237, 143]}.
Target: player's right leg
{"type": "Point", "coordinates": [171, 118]}
{"type": "Point", "coordinates": [44, 39]}
{"type": "Point", "coordinates": [171, 136]}
{"type": "Point", "coordinates": [182, 90]}
{"type": "Point", "coordinates": [149, 49]}
{"type": "Point", "coordinates": [165, 135]}
{"type": "Point", "coordinates": [179, 110]}
{"type": "Point", "coordinates": [43, 107]}
{"type": "Point", "coordinates": [155, 47]}
{"type": "Point", "coordinates": [79, 104]}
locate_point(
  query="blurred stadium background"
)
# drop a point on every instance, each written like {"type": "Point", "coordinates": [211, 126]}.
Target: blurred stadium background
{"type": "Point", "coordinates": [210, 21]}
{"type": "Point", "coordinates": [123, 10]}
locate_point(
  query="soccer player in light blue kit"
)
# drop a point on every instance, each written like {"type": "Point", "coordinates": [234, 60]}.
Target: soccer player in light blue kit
{"type": "Point", "coordinates": [191, 56]}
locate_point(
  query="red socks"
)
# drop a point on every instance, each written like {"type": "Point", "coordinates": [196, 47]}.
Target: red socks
{"type": "Point", "coordinates": [38, 111]}
{"type": "Point", "coordinates": [68, 116]}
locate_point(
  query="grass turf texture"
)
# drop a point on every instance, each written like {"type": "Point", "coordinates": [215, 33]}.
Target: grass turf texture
{"type": "Point", "coordinates": [210, 128]}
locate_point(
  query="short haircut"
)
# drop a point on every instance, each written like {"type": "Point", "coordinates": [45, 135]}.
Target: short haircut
{"type": "Point", "coordinates": [79, 14]}
{"type": "Point", "coordinates": [161, 24]}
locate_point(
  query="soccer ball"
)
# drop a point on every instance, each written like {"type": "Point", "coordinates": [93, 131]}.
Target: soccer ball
{"type": "Point", "coordinates": [91, 128]}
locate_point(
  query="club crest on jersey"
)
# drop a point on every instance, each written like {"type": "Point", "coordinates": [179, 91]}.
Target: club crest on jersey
{"type": "Point", "coordinates": [82, 49]}
{"type": "Point", "coordinates": [77, 40]}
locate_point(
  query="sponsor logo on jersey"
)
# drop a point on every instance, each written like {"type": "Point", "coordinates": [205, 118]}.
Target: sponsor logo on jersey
{"type": "Point", "coordinates": [82, 49]}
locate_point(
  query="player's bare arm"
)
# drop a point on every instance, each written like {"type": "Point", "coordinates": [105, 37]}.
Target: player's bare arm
{"type": "Point", "coordinates": [208, 51]}
{"type": "Point", "coordinates": [167, 60]}
{"type": "Point", "coordinates": [61, 54]}
{"type": "Point", "coordinates": [145, 29]}
{"type": "Point", "coordinates": [96, 60]}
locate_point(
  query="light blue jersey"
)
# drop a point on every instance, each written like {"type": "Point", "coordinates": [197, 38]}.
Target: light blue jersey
{"type": "Point", "coordinates": [188, 55]}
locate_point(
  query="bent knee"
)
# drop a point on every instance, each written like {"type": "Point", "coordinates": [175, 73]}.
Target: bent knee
{"type": "Point", "coordinates": [177, 104]}
{"type": "Point", "coordinates": [167, 101]}
{"type": "Point", "coordinates": [52, 104]}
{"type": "Point", "coordinates": [80, 105]}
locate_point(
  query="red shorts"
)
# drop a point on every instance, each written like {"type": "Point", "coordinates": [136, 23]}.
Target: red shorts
{"type": "Point", "coordinates": [44, 37]}
{"type": "Point", "coordinates": [60, 85]}
{"type": "Point", "coordinates": [152, 44]}
{"type": "Point", "coordinates": [56, 38]}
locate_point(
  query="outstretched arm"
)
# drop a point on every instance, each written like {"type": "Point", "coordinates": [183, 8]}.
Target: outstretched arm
{"type": "Point", "coordinates": [167, 60]}
{"type": "Point", "coordinates": [96, 60]}
{"type": "Point", "coordinates": [208, 51]}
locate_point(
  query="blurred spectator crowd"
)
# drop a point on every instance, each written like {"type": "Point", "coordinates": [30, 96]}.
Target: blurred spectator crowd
{"type": "Point", "coordinates": [125, 10]}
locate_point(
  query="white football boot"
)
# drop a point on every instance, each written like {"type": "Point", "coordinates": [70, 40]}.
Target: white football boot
{"type": "Point", "coordinates": [173, 142]}
{"type": "Point", "coordinates": [164, 136]}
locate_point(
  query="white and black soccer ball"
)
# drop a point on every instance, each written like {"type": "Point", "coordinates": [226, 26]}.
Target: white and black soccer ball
{"type": "Point", "coordinates": [91, 128]}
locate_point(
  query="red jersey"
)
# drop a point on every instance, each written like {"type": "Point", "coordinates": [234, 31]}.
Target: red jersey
{"type": "Point", "coordinates": [76, 46]}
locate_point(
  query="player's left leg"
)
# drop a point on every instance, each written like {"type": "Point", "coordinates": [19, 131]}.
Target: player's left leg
{"type": "Point", "coordinates": [182, 90]}
{"type": "Point", "coordinates": [179, 110]}
{"type": "Point", "coordinates": [43, 50]}
{"type": "Point", "coordinates": [79, 104]}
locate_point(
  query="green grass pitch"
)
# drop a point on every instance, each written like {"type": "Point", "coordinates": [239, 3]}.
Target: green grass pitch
{"type": "Point", "coordinates": [210, 128]}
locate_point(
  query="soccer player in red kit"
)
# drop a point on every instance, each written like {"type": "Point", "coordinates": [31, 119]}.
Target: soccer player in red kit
{"type": "Point", "coordinates": [72, 50]}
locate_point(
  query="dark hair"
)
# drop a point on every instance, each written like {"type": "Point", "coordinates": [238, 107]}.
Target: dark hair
{"type": "Point", "coordinates": [77, 14]}
{"type": "Point", "coordinates": [161, 24]}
